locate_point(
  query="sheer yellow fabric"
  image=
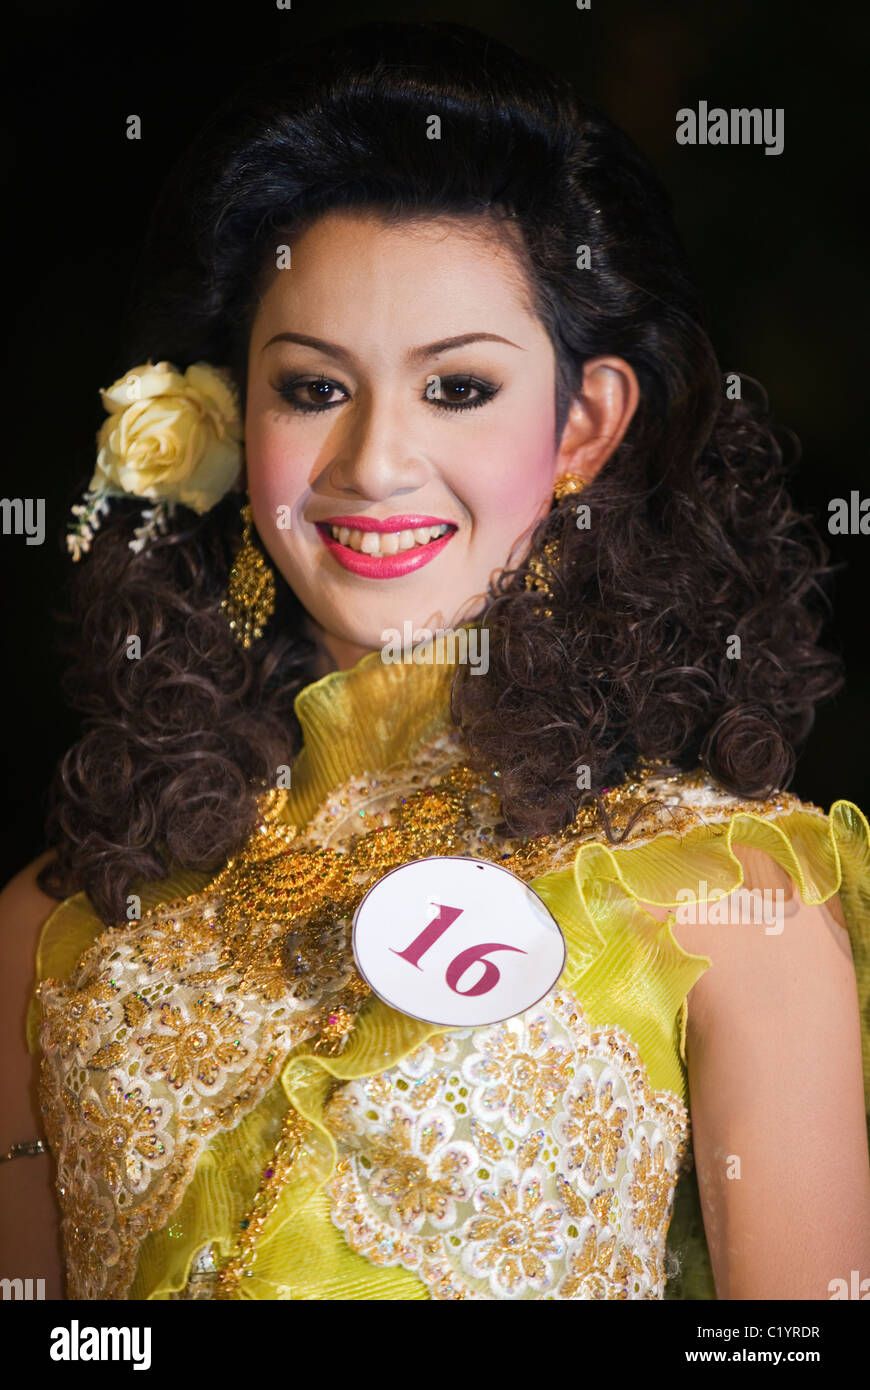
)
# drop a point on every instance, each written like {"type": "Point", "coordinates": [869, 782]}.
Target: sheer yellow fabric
{"type": "Point", "coordinates": [624, 967]}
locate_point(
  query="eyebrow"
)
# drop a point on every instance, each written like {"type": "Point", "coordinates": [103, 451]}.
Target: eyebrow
{"type": "Point", "coordinates": [415, 355]}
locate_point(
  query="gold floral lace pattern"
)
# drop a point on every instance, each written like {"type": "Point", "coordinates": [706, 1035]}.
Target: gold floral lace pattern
{"type": "Point", "coordinates": [649, 803]}
{"type": "Point", "coordinates": [367, 801]}
{"type": "Point", "coordinates": [141, 1066]}
{"type": "Point", "coordinates": [528, 1159]}
{"type": "Point", "coordinates": [173, 1028]}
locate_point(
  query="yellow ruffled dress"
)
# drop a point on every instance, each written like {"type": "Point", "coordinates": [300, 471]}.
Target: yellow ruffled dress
{"type": "Point", "coordinates": [234, 1115]}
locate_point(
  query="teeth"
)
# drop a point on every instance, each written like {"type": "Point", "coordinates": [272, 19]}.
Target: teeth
{"type": "Point", "coordinates": [386, 542]}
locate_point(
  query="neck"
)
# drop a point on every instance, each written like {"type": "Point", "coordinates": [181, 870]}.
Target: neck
{"type": "Point", "coordinates": [333, 653]}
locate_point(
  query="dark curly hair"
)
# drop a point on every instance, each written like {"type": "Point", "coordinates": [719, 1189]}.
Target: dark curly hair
{"type": "Point", "coordinates": [693, 539]}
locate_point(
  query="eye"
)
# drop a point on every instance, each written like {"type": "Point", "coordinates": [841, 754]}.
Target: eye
{"type": "Point", "coordinates": [315, 394]}
{"type": "Point", "coordinates": [319, 390]}
{"type": "Point", "coordinates": [459, 392]}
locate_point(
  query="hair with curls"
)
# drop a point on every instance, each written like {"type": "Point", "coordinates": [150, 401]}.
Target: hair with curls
{"type": "Point", "coordinates": [693, 541]}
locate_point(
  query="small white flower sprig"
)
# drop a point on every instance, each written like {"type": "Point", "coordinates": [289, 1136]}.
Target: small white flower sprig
{"type": "Point", "coordinates": [170, 438]}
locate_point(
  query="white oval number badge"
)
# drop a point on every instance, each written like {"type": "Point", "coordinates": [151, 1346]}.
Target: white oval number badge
{"type": "Point", "coordinates": [457, 941]}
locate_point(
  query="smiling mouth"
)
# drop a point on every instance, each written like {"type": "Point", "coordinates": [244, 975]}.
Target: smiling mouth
{"type": "Point", "coordinates": [377, 543]}
{"type": "Point", "coordinates": [374, 549]}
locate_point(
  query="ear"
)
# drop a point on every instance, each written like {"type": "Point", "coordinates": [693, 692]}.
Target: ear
{"type": "Point", "coordinates": [598, 417]}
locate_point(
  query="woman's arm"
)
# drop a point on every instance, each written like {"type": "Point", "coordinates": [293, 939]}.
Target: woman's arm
{"type": "Point", "coordinates": [29, 1237]}
{"type": "Point", "coordinates": [777, 1102]}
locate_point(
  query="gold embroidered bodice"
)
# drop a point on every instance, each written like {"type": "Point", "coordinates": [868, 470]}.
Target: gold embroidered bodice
{"type": "Point", "coordinates": [526, 1159]}
{"type": "Point", "coordinates": [234, 1114]}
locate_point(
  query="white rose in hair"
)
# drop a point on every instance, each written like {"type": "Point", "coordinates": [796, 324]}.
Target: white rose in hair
{"type": "Point", "coordinates": [170, 437]}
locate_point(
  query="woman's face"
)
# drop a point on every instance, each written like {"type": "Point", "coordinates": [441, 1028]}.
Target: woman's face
{"type": "Point", "coordinates": [399, 424]}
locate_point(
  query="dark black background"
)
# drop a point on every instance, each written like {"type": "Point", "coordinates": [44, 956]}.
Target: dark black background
{"type": "Point", "coordinates": [776, 242]}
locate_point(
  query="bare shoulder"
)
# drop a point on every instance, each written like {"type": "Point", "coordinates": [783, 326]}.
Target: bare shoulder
{"type": "Point", "coordinates": [776, 1087]}
{"type": "Point", "coordinates": [24, 908]}
{"type": "Point", "coordinates": [28, 1233]}
{"type": "Point", "coordinates": [23, 903]}
{"type": "Point", "coordinates": [765, 943]}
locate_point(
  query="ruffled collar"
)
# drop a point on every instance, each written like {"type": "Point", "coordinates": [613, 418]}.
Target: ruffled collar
{"type": "Point", "coordinates": [365, 719]}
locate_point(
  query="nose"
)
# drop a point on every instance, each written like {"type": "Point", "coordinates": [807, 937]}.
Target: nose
{"type": "Point", "coordinates": [375, 456]}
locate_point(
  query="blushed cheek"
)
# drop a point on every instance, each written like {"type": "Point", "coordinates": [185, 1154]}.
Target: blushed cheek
{"type": "Point", "coordinates": [515, 486]}
{"type": "Point", "coordinates": [534, 445]}
{"type": "Point", "coordinates": [274, 478]}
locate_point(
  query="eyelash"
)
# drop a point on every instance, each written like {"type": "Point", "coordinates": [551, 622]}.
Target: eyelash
{"type": "Point", "coordinates": [486, 391]}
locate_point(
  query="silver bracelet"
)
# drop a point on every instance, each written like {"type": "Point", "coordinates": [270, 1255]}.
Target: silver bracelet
{"type": "Point", "coordinates": [28, 1150]}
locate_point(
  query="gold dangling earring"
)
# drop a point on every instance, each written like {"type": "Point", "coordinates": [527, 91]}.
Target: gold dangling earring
{"type": "Point", "coordinates": [540, 566]}
{"type": "Point", "coordinates": [250, 600]}
{"type": "Point", "coordinates": [568, 485]}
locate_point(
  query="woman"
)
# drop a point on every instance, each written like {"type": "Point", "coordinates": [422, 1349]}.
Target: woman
{"type": "Point", "coordinates": [533, 596]}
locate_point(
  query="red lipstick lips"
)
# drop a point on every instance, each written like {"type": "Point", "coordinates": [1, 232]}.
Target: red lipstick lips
{"type": "Point", "coordinates": [384, 566]}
